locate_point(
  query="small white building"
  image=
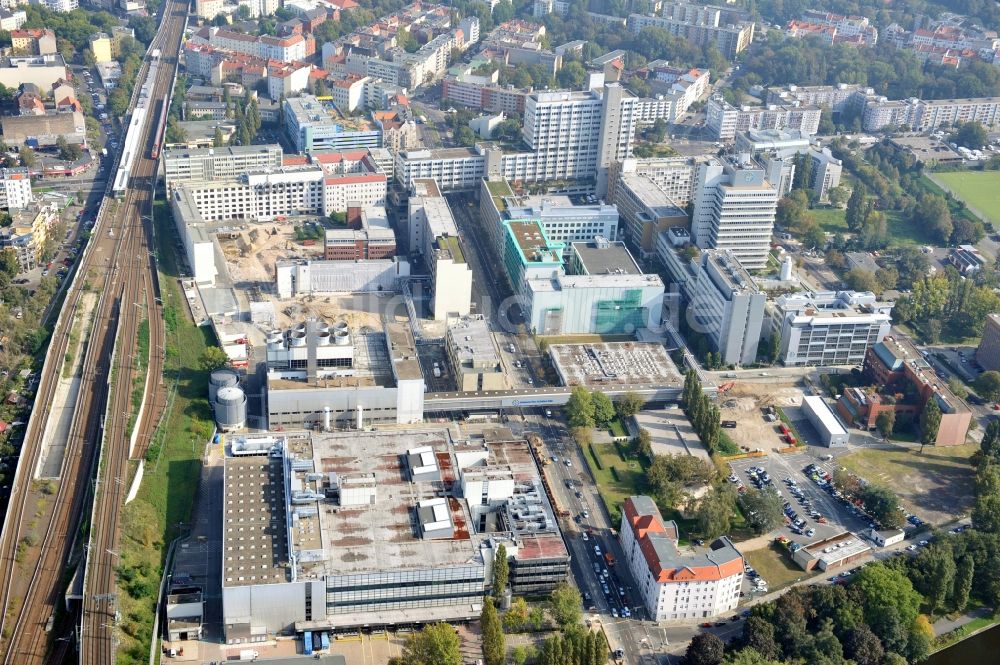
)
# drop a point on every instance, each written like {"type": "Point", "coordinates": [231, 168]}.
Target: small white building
{"type": "Point", "coordinates": [886, 538]}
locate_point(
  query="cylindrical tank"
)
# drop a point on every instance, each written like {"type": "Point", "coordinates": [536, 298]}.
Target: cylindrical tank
{"type": "Point", "coordinates": [340, 325]}
{"type": "Point", "coordinates": [230, 408]}
{"type": "Point", "coordinates": [221, 378]}
{"type": "Point", "coordinates": [326, 418]}
{"type": "Point", "coordinates": [323, 338]}
{"type": "Point", "coordinates": [297, 338]}
{"type": "Point", "coordinates": [275, 340]}
{"type": "Point", "coordinates": [341, 338]}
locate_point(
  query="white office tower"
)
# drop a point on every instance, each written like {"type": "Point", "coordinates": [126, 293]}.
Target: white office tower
{"type": "Point", "coordinates": [734, 207]}
{"type": "Point", "coordinates": [576, 135]}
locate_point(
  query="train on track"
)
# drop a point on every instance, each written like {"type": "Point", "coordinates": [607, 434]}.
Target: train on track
{"type": "Point", "coordinates": [136, 126]}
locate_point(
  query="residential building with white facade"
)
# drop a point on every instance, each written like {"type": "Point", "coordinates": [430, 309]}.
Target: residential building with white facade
{"type": "Point", "coordinates": [827, 327]}
{"type": "Point", "coordinates": [15, 189]}
{"type": "Point", "coordinates": [705, 28]}
{"type": "Point", "coordinates": [724, 120]}
{"type": "Point", "coordinates": [226, 163]}
{"type": "Point", "coordinates": [734, 209]}
{"type": "Point", "coordinates": [263, 195]}
{"type": "Point", "coordinates": [674, 584]}
{"type": "Point", "coordinates": [453, 169]}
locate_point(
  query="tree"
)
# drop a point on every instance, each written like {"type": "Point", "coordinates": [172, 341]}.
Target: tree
{"type": "Point", "coordinates": [971, 135]}
{"type": "Point", "coordinates": [957, 387]}
{"type": "Point", "coordinates": [889, 596]}
{"type": "Point", "coordinates": [9, 266]}
{"type": "Point", "coordinates": [932, 213]}
{"type": "Point", "coordinates": [803, 171]}
{"type": "Point", "coordinates": [933, 574]}
{"type": "Point", "coordinates": [218, 140]}
{"type": "Point", "coordinates": [838, 196]}
{"type": "Point", "coordinates": [492, 634]}
{"type": "Point", "coordinates": [27, 155]}
{"type": "Point", "coordinates": [962, 587]}
{"type": "Point", "coordinates": [435, 644]}
{"type": "Point", "coordinates": [630, 404]}
{"type": "Point", "coordinates": [604, 410]}
{"type": "Point", "coordinates": [501, 571]}
{"type": "Point", "coordinates": [864, 646]}
{"type": "Point", "coordinates": [572, 75]}
{"type": "Point", "coordinates": [715, 512]}
{"type": "Point", "coordinates": [644, 444]}
{"type": "Point", "coordinates": [989, 447]}
{"type": "Point", "coordinates": [860, 279]}
{"type": "Point", "coordinates": [565, 602]}
{"type": "Point", "coordinates": [987, 385]}
{"type": "Point", "coordinates": [517, 615]}
{"type": "Point", "coordinates": [212, 358]}
{"type": "Point", "coordinates": [887, 278]}
{"type": "Point", "coordinates": [885, 423]}
{"type": "Point", "coordinates": [856, 208]}
{"type": "Point", "coordinates": [762, 510]}
{"type": "Point", "coordinates": [580, 408]}
{"type": "Point", "coordinates": [883, 505]}
{"type": "Point", "coordinates": [747, 656]}
{"type": "Point", "coordinates": [758, 634]}
{"type": "Point", "coordinates": [930, 421]}
{"type": "Point", "coordinates": [986, 510]}
{"type": "Point", "coordinates": [704, 649]}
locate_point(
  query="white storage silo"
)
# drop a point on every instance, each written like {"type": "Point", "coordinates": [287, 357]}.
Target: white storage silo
{"type": "Point", "coordinates": [221, 378]}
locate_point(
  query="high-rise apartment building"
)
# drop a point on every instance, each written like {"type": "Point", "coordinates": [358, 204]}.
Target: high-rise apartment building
{"type": "Point", "coordinates": [734, 209]}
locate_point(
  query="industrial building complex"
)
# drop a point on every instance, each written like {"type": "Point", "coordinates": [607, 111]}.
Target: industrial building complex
{"type": "Point", "coordinates": [329, 531]}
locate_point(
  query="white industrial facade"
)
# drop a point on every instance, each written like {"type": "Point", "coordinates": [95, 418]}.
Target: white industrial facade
{"type": "Point", "coordinates": [574, 304]}
{"type": "Point", "coordinates": [301, 277]}
{"type": "Point", "coordinates": [829, 328]}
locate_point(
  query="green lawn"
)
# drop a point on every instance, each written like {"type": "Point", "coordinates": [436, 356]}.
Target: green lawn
{"type": "Point", "coordinates": [774, 563]}
{"type": "Point", "coordinates": [831, 220]}
{"type": "Point", "coordinates": [903, 233]}
{"type": "Point", "coordinates": [627, 478]}
{"type": "Point", "coordinates": [977, 188]}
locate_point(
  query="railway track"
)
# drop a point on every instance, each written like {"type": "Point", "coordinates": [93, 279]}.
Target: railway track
{"type": "Point", "coordinates": [121, 263]}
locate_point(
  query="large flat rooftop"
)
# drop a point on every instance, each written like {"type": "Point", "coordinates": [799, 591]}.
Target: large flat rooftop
{"type": "Point", "coordinates": [605, 258]}
{"type": "Point", "coordinates": [255, 547]}
{"type": "Point", "coordinates": [614, 364]}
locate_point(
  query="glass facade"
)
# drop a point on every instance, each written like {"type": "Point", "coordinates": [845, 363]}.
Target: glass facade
{"type": "Point", "coordinates": [426, 587]}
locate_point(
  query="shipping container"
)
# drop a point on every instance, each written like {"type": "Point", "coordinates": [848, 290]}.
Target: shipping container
{"type": "Point", "coordinates": [307, 643]}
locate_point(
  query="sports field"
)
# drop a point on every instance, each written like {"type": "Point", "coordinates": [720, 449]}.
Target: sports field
{"type": "Point", "coordinates": [977, 188]}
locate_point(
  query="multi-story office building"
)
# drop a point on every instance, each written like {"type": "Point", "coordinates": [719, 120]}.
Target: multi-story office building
{"type": "Point", "coordinates": [354, 176]}
{"type": "Point", "coordinates": [262, 195]}
{"type": "Point", "coordinates": [15, 189]}
{"type": "Point", "coordinates": [603, 292]}
{"type": "Point", "coordinates": [723, 302]}
{"type": "Point", "coordinates": [473, 356]}
{"type": "Point", "coordinates": [208, 164]}
{"type": "Point", "coordinates": [734, 209]}
{"type": "Point", "coordinates": [675, 176]}
{"type": "Point", "coordinates": [705, 27]}
{"type": "Point", "coordinates": [827, 327]}
{"type": "Point", "coordinates": [301, 562]}
{"type": "Point", "coordinates": [646, 210]}
{"type": "Point", "coordinates": [772, 145]}
{"type": "Point", "coordinates": [526, 253]}
{"type": "Point", "coordinates": [724, 120]}
{"type": "Point", "coordinates": [433, 234]}
{"type": "Point", "coordinates": [367, 236]}
{"type": "Point", "coordinates": [314, 125]}
{"type": "Point", "coordinates": [564, 128]}
{"type": "Point", "coordinates": [904, 383]}
{"type": "Point", "coordinates": [453, 169]}
{"type": "Point", "coordinates": [565, 219]}
{"type": "Point", "coordinates": [674, 584]}
{"type": "Point", "coordinates": [988, 352]}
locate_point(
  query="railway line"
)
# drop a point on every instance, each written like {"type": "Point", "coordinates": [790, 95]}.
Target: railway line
{"type": "Point", "coordinates": [119, 264]}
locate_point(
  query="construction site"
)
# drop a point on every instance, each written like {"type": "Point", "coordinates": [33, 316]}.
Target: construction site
{"type": "Point", "coordinates": [747, 405]}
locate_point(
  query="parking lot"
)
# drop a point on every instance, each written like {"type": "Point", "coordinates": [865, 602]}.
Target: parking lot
{"type": "Point", "coordinates": [818, 513]}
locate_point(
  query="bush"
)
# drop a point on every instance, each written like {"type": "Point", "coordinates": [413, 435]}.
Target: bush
{"type": "Point", "coordinates": [595, 457]}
